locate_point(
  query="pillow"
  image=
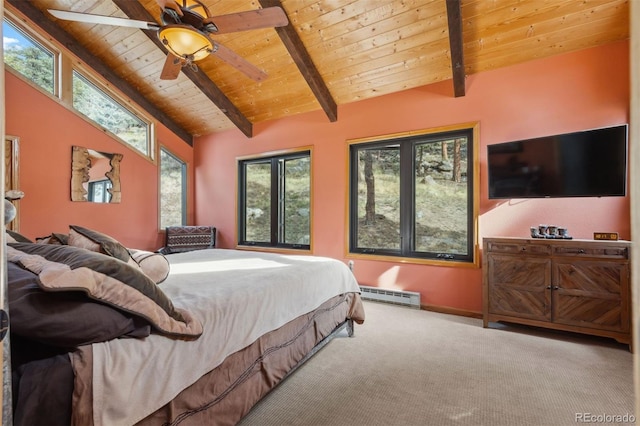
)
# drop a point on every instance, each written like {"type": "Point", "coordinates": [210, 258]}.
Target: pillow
{"type": "Point", "coordinates": [155, 265]}
{"type": "Point", "coordinates": [17, 237]}
{"type": "Point", "coordinates": [54, 238]}
{"type": "Point", "coordinates": [106, 279]}
{"type": "Point", "coordinates": [98, 242]}
{"type": "Point", "coordinates": [63, 319]}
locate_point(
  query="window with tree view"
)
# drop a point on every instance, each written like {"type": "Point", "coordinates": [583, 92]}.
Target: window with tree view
{"type": "Point", "coordinates": [275, 201]}
{"type": "Point", "coordinates": [97, 105]}
{"type": "Point", "coordinates": [173, 190]}
{"type": "Point", "coordinates": [30, 58]}
{"type": "Point", "coordinates": [413, 197]}
{"type": "Point", "coordinates": [37, 60]}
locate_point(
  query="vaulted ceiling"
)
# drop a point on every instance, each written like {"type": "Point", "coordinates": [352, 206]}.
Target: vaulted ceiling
{"type": "Point", "coordinates": [331, 52]}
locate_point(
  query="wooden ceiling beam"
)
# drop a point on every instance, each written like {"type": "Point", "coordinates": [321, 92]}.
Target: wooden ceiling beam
{"type": "Point", "coordinates": [135, 10]}
{"type": "Point", "coordinates": [301, 57]}
{"type": "Point", "coordinates": [454, 19]}
{"type": "Point", "coordinates": [38, 17]}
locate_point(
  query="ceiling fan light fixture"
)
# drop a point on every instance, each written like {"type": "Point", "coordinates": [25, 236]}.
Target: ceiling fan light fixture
{"type": "Point", "coordinates": [186, 42]}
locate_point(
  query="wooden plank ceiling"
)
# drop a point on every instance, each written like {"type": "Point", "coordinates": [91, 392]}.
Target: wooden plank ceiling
{"type": "Point", "coordinates": [332, 53]}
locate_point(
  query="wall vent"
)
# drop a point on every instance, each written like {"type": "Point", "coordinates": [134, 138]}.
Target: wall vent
{"type": "Point", "coordinates": [405, 298]}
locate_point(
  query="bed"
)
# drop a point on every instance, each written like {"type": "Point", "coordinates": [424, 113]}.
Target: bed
{"type": "Point", "coordinates": [222, 329]}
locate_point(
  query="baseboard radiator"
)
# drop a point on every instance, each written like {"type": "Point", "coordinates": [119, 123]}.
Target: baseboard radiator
{"type": "Point", "coordinates": [405, 298]}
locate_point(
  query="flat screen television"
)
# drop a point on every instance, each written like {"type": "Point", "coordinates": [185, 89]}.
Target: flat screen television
{"type": "Point", "coordinates": [591, 163]}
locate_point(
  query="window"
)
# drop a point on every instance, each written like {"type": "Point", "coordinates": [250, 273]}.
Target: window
{"type": "Point", "coordinates": [97, 105]}
{"type": "Point", "coordinates": [29, 57]}
{"type": "Point", "coordinates": [33, 57]}
{"type": "Point", "coordinates": [414, 197]}
{"type": "Point", "coordinates": [275, 201]}
{"type": "Point", "coordinates": [99, 191]}
{"type": "Point", "coordinates": [173, 190]}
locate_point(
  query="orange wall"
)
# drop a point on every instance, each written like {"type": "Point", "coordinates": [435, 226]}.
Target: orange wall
{"type": "Point", "coordinates": [565, 93]}
{"type": "Point", "coordinates": [47, 131]}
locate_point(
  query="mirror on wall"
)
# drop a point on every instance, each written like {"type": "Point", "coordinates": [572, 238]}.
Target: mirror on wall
{"type": "Point", "coordinates": [11, 150]}
{"type": "Point", "coordinates": [95, 176]}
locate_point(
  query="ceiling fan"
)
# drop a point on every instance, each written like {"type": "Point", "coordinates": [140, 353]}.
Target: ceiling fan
{"type": "Point", "coordinates": [186, 29]}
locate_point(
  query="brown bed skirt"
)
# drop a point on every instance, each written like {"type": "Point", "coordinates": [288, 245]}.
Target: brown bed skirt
{"type": "Point", "coordinates": [227, 393]}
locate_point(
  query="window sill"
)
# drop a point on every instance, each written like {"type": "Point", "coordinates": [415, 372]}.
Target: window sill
{"type": "Point", "coordinates": [280, 250]}
{"type": "Point", "coordinates": [416, 261]}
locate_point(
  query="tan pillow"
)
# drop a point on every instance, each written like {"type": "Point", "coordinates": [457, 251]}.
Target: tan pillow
{"type": "Point", "coordinates": [16, 237]}
{"type": "Point", "coordinates": [101, 243]}
{"type": "Point", "coordinates": [154, 265]}
{"type": "Point", "coordinates": [54, 238]}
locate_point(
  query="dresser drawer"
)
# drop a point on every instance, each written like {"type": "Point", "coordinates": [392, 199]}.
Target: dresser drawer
{"type": "Point", "coordinates": [518, 248]}
{"type": "Point", "coordinates": [613, 252]}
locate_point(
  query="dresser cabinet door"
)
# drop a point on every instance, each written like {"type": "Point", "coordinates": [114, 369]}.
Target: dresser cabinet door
{"type": "Point", "coordinates": [519, 286]}
{"type": "Point", "coordinates": [592, 294]}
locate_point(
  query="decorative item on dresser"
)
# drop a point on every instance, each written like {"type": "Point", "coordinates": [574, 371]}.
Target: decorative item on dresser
{"type": "Point", "coordinates": [581, 286]}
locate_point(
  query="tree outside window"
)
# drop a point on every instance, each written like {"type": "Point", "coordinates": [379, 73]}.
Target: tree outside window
{"type": "Point", "coordinates": [97, 105]}
{"type": "Point", "coordinates": [29, 57]}
{"type": "Point", "coordinates": [38, 63]}
{"type": "Point", "coordinates": [414, 197]}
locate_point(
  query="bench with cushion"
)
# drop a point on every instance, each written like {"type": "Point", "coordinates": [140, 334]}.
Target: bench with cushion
{"type": "Point", "coordinates": [187, 238]}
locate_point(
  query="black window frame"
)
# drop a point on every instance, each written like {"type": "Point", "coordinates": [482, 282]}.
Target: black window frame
{"type": "Point", "coordinates": [184, 186]}
{"type": "Point", "coordinates": [406, 146]}
{"type": "Point", "coordinates": [277, 184]}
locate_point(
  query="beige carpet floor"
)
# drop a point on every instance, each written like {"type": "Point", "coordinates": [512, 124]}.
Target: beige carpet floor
{"type": "Point", "coordinates": [411, 367]}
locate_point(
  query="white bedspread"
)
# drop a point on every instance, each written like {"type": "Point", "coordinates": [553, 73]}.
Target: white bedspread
{"type": "Point", "coordinates": [238, 296]}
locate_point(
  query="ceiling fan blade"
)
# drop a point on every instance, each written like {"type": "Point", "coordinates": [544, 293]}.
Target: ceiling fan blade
{"type": "Point", "coordinates": [171, 68]}
{"type": "Point", "coordinates": [106, 20]}
{"type": "Point", "coordinates": [238, 62]}
{"type": "Point", "coordinates": [250, 20]}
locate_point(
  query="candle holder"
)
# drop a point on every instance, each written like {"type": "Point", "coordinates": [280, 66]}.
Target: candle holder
{"type": "Point", "coordinates": [550, 231]}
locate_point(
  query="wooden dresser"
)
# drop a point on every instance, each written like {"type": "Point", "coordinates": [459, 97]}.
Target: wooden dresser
{"type": "Point", "coordinates": [573, 285]}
